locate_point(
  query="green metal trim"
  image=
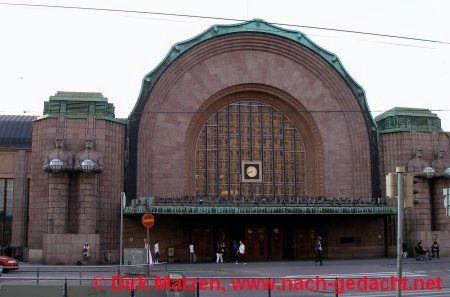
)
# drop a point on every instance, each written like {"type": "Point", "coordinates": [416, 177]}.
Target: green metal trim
{"type": "Point", "coordinates": [402, 119]}
{"type": "Point", "coordinates": [79, 96]}
{"type": "Point", "coordinates": [406, 130]}
{"type": "Point", "coordinates": [185, 210]}
{"type": "Point", "coordinates": [79, 104]}
{"type": "Point", "coordinates": [109, 119]}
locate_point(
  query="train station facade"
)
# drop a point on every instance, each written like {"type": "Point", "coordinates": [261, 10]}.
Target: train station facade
{"type": "Point", "coordinates": [245, 132]}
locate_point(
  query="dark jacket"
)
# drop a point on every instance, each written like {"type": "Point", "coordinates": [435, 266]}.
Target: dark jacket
{"type": "Point", "coordinates": [219, 249]}
{"type": "Point", "coordinates": [318, 247]}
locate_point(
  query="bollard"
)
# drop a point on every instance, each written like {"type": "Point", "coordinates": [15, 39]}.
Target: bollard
{"type": "Point", "coordinates": [269, 292]}
{"type": "Point", "coordinates": [335, 287]}
{"type": "Point", "coordinates": [65, 288]}
{"type": "Point", "coordinates": [198, 288]}
{"type": "Point", "coordinates": [37, 276]}
{"type": "Point", "coordinates": [80, 275]}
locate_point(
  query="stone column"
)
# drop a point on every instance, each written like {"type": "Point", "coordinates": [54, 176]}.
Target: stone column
{"type": "Point", "coordinates": [88, 203]}
{"type": "Point", "coordinates": [58, 191]}
{"type": "Point", "coordinates": [422, 211]}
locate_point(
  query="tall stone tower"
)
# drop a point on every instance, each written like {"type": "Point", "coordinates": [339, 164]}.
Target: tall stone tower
{"type": "Point", "coordinates": [76, 186]}
{"type": "Point", "coordinates": [413, 138]}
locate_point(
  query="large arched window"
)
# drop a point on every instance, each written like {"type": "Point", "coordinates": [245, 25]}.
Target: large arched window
{"type": "Point", "coordinates": [249, 131]}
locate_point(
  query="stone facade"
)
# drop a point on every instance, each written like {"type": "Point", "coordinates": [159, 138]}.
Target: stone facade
{"type": "Point", "coordinates": [345, 237]}
{"type": "Point", "coordinates": [335, 142]}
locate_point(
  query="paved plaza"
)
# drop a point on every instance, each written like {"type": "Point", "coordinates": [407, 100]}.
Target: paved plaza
{"type": "Point", "coordinates": [332, 269]}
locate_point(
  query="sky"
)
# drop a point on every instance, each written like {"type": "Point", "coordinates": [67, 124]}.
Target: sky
{"type": "Point", "coordinates": [45, 50]}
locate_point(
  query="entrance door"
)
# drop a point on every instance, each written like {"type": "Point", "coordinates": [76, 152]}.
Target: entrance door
{"type": "Point", "coordinates": [256, 243]}
{"type": "Point", "coordinates": [289, 243]}
{"type": "Point", "coordinates": [223, 236]}
{"type": "Point", "coordinates": [203, 244]}
{"type": "Point", "coordinates": [276, 243]}
{"type": "Point", "coordinates": [306, 240]}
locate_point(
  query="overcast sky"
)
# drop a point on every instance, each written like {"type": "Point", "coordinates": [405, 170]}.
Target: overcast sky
{"type": "Point", "coordinates": [44, 50]}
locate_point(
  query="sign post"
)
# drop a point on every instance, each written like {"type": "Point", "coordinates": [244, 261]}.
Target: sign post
{"type": "Point", "coordinates": [123, 200]}
{"type": "Point", "coordinates": [400, 191]}
{"type": "Point", "coordinates": [148, 220]}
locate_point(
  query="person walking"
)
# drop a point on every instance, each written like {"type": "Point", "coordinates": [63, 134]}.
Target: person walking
{"type": "Point", "coordinates": [224, 251]}
{"type": "Point", "coordinates": [148, 253]}
{"type": "Point", "coordinates": [234, 251]}
{"type": "Point", "coordinates": [85, 253]}
{"type": "Point", "coordinates": [435, 247]}
{"type": "Point", "coordinates": [156, 249]}
{"type": "Point", "coordinates": [191, 253]}
{"type": "Point", "coordinates": [241, 253]}
{"type": "Point", "coordinates": [219, 253]}
{"type": "Point", "coordinates": [319, 250]}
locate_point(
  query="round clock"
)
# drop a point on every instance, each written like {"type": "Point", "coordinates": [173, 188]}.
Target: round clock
{"type": "Point", "coordinates": [251, 171]}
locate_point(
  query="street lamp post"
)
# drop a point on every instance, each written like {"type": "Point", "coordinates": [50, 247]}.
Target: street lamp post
{"type": "Point", "coordinates": [122, 205]}
{"type": "Point", "coordinates": [400, 190]}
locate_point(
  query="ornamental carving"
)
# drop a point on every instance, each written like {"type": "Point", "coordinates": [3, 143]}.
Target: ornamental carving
{"type": "Point", "coordinates": [440, 164]}
{"type": "Point", "coordinates": [418, 166]}
{"type": "Point", "coordinates": [89, 160]}
{"type": "Point", "coordinates": [59, 159]}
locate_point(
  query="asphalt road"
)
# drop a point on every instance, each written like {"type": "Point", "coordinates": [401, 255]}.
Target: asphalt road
{"type": "Point", "coordinates": [291, 272]}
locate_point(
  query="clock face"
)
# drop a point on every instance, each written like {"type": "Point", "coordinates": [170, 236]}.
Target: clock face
{"type": "Point", "coordinates": [251, 171]}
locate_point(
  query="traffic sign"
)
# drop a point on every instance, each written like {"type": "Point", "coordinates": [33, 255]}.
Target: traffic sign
{"type": "Point", "coordinates": [148, 220]}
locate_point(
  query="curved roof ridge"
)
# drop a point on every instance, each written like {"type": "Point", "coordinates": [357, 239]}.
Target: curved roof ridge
{"type": "Point", "coordinates": [16, 131]}
{"type": "Point", "coordinates": [256, 26]}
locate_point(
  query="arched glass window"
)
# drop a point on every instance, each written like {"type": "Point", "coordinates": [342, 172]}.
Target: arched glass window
{"type": "Point", "coordinates": [249, 131]}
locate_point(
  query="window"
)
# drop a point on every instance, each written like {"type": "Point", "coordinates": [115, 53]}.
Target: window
{"type": "Point", "coordinates": [254, 131]}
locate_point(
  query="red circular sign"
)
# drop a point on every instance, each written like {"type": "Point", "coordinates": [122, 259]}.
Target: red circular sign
{"type": "Point", "coordinates": [148, 220]}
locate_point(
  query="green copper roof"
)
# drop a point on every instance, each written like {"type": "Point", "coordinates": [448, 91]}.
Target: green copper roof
{"type": "Point", "coordinates": [288, 210]}
{"type": "Point", "coordinates": [79, 105]}
{"type": "Point", "coordinates": [78, 96]}
{"type": "Point", "coordinates": [406, 119]}
{"type": "Point", "coordinates": [253, 26]}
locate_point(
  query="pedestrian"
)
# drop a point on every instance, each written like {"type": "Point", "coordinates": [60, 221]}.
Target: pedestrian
{"type": "Point", "coordinates": [234, 250]}
{"type": "Point", "coordinates": [219, 253]}
{"type": "Point", "coordinates": [404, 251]}
{"type": "Point", "coordinates": [224, 251]}
{"type": "Point", "coordinates": [435, 248]}
{"type": "Point", "coordinates": [156, 249]}
{"type": "Point", "coordinates": [85, 253]}
{"type": "Point", "coordinates": [319, 250]}
{"type": "Point", "coordinates": [191, 253]}
{"type": "Point", "coordinates": [148, 253]}
{"type": "Point", "coordinates": [241, 253]}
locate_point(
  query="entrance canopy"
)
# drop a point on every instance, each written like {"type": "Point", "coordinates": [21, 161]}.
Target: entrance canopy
{"type": "Point", "coordinates": [243, 205]}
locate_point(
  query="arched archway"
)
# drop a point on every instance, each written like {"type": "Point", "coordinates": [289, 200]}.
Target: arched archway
{"type": "Point", "coordinates": [249, 131]}
{"type": "Point", "coordinates": [271, 126]}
